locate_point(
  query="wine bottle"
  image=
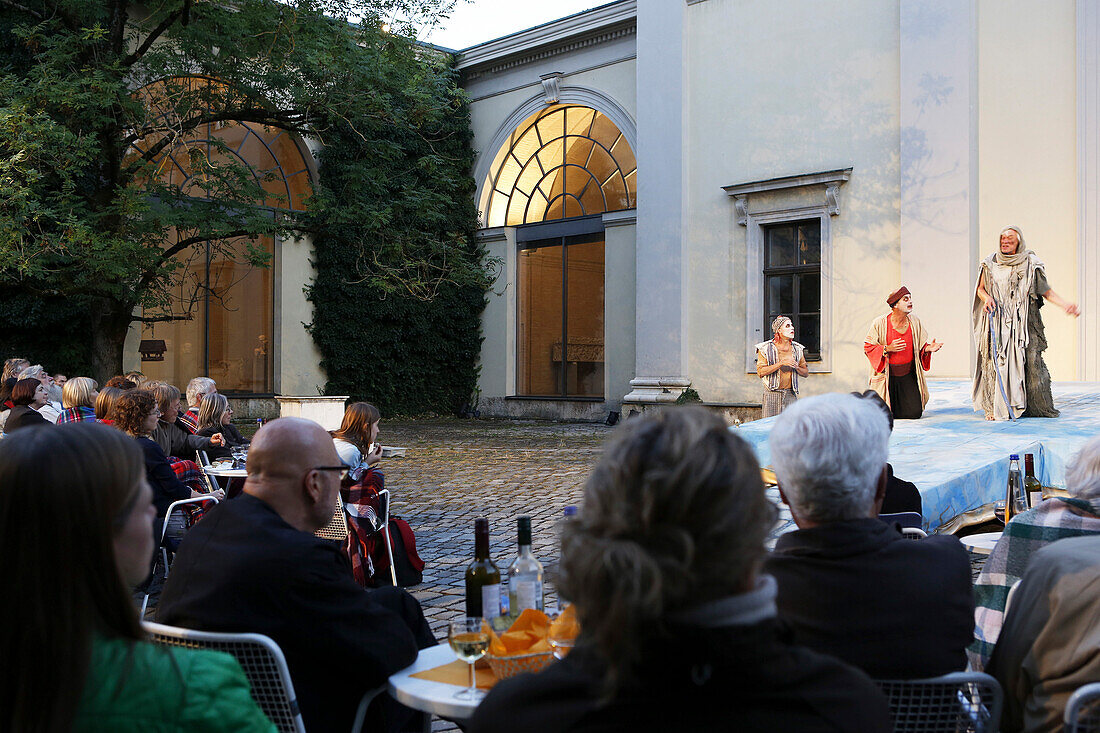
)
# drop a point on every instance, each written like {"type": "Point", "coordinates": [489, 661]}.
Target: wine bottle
{"type": "Point", "coordinates": [524, 574]}
{"type": "Point", "coordinates": [482, 577]}
{"type": "Point", "coordinates": [1015, 503]}
{"type": "Point", "coordinates": [1032, 486]}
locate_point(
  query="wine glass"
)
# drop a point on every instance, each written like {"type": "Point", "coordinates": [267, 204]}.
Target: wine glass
{"type": "Point", "coordinates": [469, 638]}
{"type": "Point", "coordinates": [240, 454]}
{"type": "Point", "coordinates": [561, 640]}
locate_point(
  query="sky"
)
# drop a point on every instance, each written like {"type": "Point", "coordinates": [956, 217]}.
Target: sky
{"type": "Point", "coordinates": [477, 21]}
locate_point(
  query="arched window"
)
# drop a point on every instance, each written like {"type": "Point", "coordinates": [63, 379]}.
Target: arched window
{"type": "Point", "coordinates": [561, 162]}
{"type": "Point", "coordinates": [231, 304]}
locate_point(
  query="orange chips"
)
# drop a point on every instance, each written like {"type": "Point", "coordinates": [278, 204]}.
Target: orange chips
{"type": "Point", "coordinates": [528, 635]}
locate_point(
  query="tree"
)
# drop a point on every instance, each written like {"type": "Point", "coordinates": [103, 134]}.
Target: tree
{"type": "Point", "coordinates": [94, 94]}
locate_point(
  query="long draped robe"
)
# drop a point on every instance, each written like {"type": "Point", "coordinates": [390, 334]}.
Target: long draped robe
{"type": "Point", "coordinates": [874, 346]}
{"type": "Point", "coordinates": [1016, 283]}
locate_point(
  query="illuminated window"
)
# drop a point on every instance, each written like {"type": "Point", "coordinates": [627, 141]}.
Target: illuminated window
{"type": "Point", "coordinates": [562, 162]}
{"type": "Point", "coordinates": [231, 304]}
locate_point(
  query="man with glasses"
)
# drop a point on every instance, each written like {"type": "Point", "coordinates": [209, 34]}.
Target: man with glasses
{"type": "Point", "coordinates": [253, 564]}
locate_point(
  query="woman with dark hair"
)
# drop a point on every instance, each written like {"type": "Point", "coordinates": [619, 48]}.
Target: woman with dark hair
{"type": "Point", "coordinates": [678, 626]}
{"type": "Point", "coordinates": [214, 419]}
{"type": "Point", "coordinates": [136, 414]}
{"type": "Point", "coordinates": [355, 440]}
{"type": "Point", "coordinates": [29, 396]}
{"type": "Point", "coordinates": [75, 656]}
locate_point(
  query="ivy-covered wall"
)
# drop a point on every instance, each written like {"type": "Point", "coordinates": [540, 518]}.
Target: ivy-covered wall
{"type": "Point", "coordinates": [400, 282]}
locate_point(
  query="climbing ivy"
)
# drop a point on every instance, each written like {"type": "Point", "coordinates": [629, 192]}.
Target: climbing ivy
{"type": "Point", "coordinates": [400, 277]}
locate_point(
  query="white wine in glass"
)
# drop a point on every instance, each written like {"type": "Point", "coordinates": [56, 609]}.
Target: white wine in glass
{"type": "Point", "coordinates": [469, 638]}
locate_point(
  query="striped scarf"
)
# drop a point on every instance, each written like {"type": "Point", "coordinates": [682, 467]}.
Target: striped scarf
{"type": "Point", "coordinates": [771, 353]}
{"type": "Point", "coordinates": [363, 513]}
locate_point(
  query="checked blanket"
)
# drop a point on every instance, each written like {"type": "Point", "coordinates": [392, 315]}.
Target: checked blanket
{"type": "Point", "coordinates": [1052, 520]}
{"type": "Point", "coordinates": [363, 513]}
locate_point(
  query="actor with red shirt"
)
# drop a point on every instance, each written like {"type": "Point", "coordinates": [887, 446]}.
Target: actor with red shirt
{"type": "Point", "coordinates": [895, 345]}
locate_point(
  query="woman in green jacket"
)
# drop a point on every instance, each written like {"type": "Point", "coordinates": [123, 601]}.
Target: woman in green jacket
{"type": "Point", "coordinates": [75, 533]}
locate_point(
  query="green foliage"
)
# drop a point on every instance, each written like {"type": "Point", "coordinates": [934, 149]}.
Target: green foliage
{"type": "Point", "coordinates": [94, 94]}
{"type": "Point", "coordinates": [688, 396]}
{"type": "Point", "coordinates": [400, 282]}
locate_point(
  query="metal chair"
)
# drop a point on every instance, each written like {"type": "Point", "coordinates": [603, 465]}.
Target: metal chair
{"type": "Point", "coordinates": [905, 519]}
{"type": "Point", "coordinates": [960, 702]}
{"type": "Point", "coordinates": [913, 533]}
{"type": "Point", "coordinates": [204, 463]}
{"type": "Point", "coordinates": [337, 528]}
{"type": "Point", "coordinates": [265, 667]}
{"type": "Point", "coordinates": [162, 559]}
{"type": "Point", "coordinates": [1083, 710]}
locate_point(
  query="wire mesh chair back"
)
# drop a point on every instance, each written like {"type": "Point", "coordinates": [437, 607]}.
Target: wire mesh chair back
{"type": "Point", "coordinates": [337, 528]}
{"type": "Point", "coordinates": [1083, 710]}
{"type": "Point", "coordinates": [960, 702]}
{"type": "Point", "coordinates": [262, 661]}
{"type": "Point", "coordinates": [913, 533]}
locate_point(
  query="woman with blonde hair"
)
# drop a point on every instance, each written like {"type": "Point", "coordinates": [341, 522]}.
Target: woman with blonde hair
{"type": "Point", "coordinates": [214, 418]}
{"type": "Point", "coordinates": [678, 626]}
{"type": "Point", "coordinates": [78, 396]}
{"type": "Point", "coordinates": [75, 546]}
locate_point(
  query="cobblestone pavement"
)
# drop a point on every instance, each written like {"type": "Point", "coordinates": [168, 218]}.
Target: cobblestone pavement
{"type": "Point", "coordinates": [458, 470]}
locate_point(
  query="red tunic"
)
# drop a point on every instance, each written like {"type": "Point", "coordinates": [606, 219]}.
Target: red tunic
{"type": "Point", "coordinates": [876, 353]}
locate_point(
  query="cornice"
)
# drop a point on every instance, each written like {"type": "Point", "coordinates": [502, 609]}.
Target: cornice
{"type": "Point", "coordinates": [831, 180]}
{"type": "Point", "coordinates": [573, 32]}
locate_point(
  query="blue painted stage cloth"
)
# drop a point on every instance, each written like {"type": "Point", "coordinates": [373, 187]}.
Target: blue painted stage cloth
{"type": "Point", "coordinates": [958, 460]}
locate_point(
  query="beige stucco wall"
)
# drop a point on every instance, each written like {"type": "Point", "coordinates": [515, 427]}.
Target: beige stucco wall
{"type": "Point", "coordinates": [776, 89]}
{"type": "Point", "coordinates": [297, 360]}
{"type": "Point", "coordinates": [1027, 149]}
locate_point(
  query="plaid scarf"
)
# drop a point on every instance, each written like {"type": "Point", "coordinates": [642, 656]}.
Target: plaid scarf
{"type": "Point", "coordinates": [76, 414]}
{"type": "Point", "coordinates": [1026, 534]}
{"type": "Point", "coordinates": [190, 420]}
{"type": "Point", "coordinates": [363, 514]}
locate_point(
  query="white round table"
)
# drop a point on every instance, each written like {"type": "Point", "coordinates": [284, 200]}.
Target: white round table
{"type": "Point", "coordinates": [437, 698]}
{"type": "Point", "coordinates": [226, 472]}
{"type": "Point", "coordinates": [982, 543]}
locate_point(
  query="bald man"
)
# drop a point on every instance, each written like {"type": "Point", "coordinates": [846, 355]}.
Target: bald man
{"type": "Point", "coordinates": [254, 564]}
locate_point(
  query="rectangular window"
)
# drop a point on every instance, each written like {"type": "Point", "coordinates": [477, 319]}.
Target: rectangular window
{"type": "Point", "coordinates": [228, 334]}
{"type": "Point", "coordinates": [792, 280]}
{"type": "Point", "coordinates": [561, 316]}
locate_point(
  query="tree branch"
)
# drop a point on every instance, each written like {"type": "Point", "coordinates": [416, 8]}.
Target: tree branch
{"type": "Point", "coordinates": [161, 319]}
{"type": "Point", "coordinates": [156, 33]}
{"type": "Point", "coordinates": [199, 239]}
{"type": "Point", "coordinates": [23, 8]}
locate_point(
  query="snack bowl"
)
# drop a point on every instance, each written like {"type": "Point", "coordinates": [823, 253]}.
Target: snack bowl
{"type": "Point", "coordinates": [505, 667]}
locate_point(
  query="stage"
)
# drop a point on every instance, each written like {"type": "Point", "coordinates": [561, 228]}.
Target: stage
{"type": "Point", "coordinates": [959, 461]}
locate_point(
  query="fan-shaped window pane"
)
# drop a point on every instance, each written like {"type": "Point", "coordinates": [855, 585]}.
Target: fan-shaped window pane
{"type": "Point", "coordinates": [560, 150]}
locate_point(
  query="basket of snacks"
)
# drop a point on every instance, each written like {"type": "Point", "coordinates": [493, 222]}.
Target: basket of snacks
{"type": "Point", "coordinates": [524, 647]}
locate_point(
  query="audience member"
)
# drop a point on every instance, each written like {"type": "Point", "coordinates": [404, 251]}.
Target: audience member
{"type": "Point", "coordinates": [120, 382]}
{"type": "Point", "coordinates": [254, 564]}
{"type": "Point", "coordinates": [7, 404]}
{"type": "Point", "coordinates": [901, 496]}
{"type": "Point", "coordinates": [355, 440]}
{"type": "Point", "coordinates": [136, 414]}
{"type": "Point", "coordinates": [12, 367]}
{"type": "Point", "coordinates": [28, 395]}
{"type": "Point", "coordinates": [173, 438]}
{"type": "Point", "coordinates": [59, 379]}
{"type": "Point", "coordinates": [678, 628]}
{"type": "Point", "coordinates": [78, 396]}
{"type": "Point", "coordinates": [52, 408]}
{"type": "Point", "coordinates": [1050, 643]}
{"type": "Point", "coordinates": [105, 403]}
{"type": "Point", "coordinates": [75, 656]}
{"type": "Point", "coordinates": [214, 420]}
{"type": "Point", "coordinates": [139, 379]}
{"type": "Point", "coordinates": [197, 388]}
{"type": "Point", "coordinates": [849, 584]}
{"type": "Point", "coordinates": [1052, 520]}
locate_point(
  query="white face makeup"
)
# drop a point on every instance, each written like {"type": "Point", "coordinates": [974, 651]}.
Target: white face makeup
{"type": "Point", "coordinates": [1009, 242]}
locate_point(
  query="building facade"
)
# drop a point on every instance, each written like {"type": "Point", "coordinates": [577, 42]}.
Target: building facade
{"type": "Point", "coordinates": [659, 178]}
